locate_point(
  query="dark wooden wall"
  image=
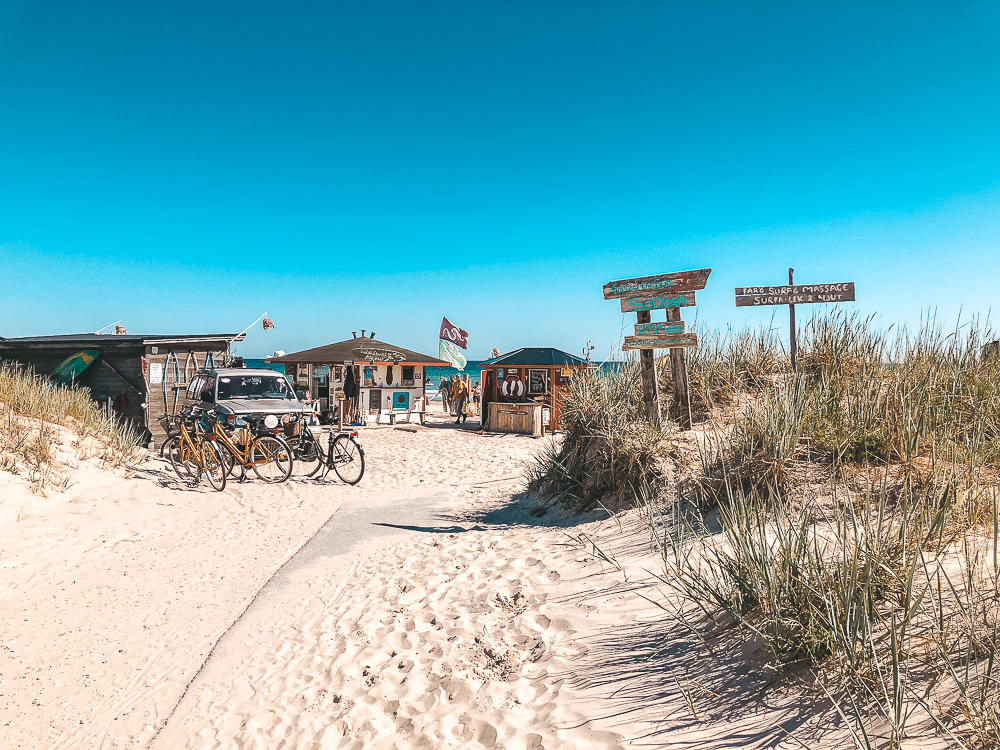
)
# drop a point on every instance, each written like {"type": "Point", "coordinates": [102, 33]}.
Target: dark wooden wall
{"type": "Point", "coordinates": [99, 377]}
{"type": "Point", "coordinates": [126, 359]}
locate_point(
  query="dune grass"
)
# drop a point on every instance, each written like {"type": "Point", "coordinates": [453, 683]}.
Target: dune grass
{"type": "Point", "coordinates": [30, 409]}
{"type": "Point", "coordinates": [857, 504]}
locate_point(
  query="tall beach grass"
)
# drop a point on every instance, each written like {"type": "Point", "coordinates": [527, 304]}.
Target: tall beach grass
{"type": "Point", "coordinates": [31, 407]}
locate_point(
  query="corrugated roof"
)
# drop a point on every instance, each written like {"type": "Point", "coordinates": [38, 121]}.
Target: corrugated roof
{"type": "Point", "coordinates": [346, 351]}
{"type": "Point", "coordinates": [90, 338]}
{"type": "Point", "coordinates": [541, 356]}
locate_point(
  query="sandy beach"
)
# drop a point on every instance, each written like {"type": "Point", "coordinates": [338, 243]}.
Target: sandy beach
{"type": "Point", "coordinates": [138, 611]}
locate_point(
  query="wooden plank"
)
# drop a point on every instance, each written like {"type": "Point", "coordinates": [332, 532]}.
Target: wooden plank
{"type": "Point", "coordinates": [846, 286]}
{"type": "Point", "coordinates": [647, 368]}
{"type": "Point", "coordinates": [664, 283]}
{"type": "Point", "coordinates": [669, 341]}
{"type": "Point", "coordinates": [658, 328]}
{"type": "Point", "coordinates": [678, 375]}
{"type": "Point", "coordinates": [655, 302]}
{"type": "Point", "coordinates": [794, 294]}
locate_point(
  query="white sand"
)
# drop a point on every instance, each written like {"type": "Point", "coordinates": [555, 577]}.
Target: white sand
{"type": "Point", "coordinates": [493, 629]}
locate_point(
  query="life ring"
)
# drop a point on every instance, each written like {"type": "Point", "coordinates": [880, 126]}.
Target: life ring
{"type": "Point", "coordinates": [512, 388]}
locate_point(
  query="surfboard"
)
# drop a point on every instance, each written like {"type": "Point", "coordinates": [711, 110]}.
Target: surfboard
{"type": "Point", "coordinates": [72, 367]}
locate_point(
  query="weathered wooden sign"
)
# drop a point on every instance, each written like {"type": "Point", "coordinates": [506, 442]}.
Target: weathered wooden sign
{"type": "Point", "coordinates": [666, 283]}
{"type": "Point", "coordinates": [802, 294]}
{"type": "Point", "coordinates": [658, 328]}
{"type": "Point", "coordinates": [792, 295]}
{"type": "Point", "coordinates": [669, 292]}
{"type": "Point", "coordinates": [666, 341]}
{"type": "Point", "coordinates": [658, 302]}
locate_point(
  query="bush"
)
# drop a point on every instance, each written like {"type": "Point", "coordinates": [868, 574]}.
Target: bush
{"type": "Point", "coordinates": [608, 451]}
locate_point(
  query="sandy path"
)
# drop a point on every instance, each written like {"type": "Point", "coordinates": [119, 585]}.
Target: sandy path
{"type": "Point", "coordinates": [433, 608]}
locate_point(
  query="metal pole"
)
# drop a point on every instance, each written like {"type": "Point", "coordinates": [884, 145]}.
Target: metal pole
{"type": "Point", "coordinates": [647, 366]}
{"type": "Point", "coordinates": [792, 344]}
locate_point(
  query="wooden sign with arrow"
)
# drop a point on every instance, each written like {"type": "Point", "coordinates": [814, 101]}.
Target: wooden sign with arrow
{"type": "Point", "coordinates": [670, 292]}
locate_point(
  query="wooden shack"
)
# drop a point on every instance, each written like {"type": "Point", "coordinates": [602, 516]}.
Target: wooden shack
{"type": "Point", "coordinates": [536, 375]}
{"type": "Point", "coordinates": [137, 377]}
{"type": "Point", "coordinates": [389, 380]}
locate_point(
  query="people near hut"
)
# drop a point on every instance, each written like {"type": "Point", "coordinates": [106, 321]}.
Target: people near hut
{"type": "Point", "coordinates": [460, 397]}
{"type": "Point", "coordinates": [477, 395]}
{"type": "Point", "coordinates": [445, 394]}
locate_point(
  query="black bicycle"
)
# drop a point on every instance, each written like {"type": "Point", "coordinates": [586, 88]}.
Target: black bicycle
{"type": "Point", "coordinates": [343, 454]}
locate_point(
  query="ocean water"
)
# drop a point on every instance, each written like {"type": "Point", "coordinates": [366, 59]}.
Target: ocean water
{"type": "Point", "coordinates": [258, 364]}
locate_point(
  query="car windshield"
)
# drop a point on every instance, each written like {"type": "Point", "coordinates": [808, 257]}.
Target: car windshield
{"type": "Point", "coordinates": [253, 386]}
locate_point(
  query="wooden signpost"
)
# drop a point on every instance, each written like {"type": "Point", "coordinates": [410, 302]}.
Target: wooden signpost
{"type": "Point", "coordinates": [792, 295]}
{"type": "Point", "coordinates": [670, 292]}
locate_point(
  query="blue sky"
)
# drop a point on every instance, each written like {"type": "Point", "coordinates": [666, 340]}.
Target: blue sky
{"type": "Point", "coordinates": [186, 166]}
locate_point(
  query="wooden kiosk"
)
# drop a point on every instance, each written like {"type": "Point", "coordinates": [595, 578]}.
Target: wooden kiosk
{"type": "Point", "coordinates": [522, 389]}
{"type": "Point", "coordinates": [388, 380]}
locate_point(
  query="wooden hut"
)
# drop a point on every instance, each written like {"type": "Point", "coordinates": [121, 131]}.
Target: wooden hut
{"type": "Point", "coordinates": [389, 380]}
{"type": "Point", "coordinates": [529, 376]}
{"type": "Point", "coordinates": [134, 376]}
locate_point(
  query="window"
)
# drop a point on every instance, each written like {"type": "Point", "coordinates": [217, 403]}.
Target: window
{"type": "Point", "coordinates": [254, 387]}
{"type": "Point", "coordinates": [194, 387]}
{"type": "Point", "coordinates": [407, 375]}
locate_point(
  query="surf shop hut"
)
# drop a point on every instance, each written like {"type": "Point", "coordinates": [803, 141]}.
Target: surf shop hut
{"type": "Point", "coordinates": [137, 377]}
{"type": "Point", "coordinates": [522, 389]}
{"type": "Point", "coordinates": [374, 379]}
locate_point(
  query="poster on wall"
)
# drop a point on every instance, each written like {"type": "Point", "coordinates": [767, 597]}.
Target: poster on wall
{"type": "Point", "coordinates": [369, 381]}
{"type": "Point", "coordinates": [536, 382]}
{"type": "Point", "coordinates": [155, 372]}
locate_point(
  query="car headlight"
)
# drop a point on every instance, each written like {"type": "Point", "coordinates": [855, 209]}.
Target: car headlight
{"type": "Point", "coordinates": [270, 421]}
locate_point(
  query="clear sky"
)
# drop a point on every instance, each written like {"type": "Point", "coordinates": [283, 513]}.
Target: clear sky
{"type": "Point", "coordinates": [186, 166]}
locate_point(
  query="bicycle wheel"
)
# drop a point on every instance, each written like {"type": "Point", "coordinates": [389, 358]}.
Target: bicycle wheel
{"type": "Point", "coordinates": [183, 460]}
{"type": "Point", "coordinates": [215, 465]}
{"type": "Point", "coordinates": [272, 459]}
{"type": "Point", "coordinates": [234, 467]}
{"type": "Point", "coordinates": [348, 459]}
{"type": "Point", "coordinates": [308, 455]}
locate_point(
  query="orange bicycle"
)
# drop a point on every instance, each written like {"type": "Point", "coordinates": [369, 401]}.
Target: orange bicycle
{"type": "Point", "coordinates": [256, 447]}
{"type": "Point", "coordinates": [193, 452]}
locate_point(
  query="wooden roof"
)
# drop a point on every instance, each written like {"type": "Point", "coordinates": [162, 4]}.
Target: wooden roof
{"type": "Point", "coordinates": [539, 356]}
{"type": "Point", "coordinates": [349, 351]}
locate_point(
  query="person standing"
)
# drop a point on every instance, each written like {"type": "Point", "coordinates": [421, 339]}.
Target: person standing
{"type": "Point", "coordinates": [459, 397]}
{"type": "Point", "coordinates": [453, 392]}
{"type": "Point", "coordinates": [445, 394]}
{"type": "Point", "coordinates": [477, 396]}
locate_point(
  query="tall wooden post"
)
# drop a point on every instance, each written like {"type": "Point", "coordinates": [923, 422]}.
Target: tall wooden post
{"type": "Point", "coordinates": [792, 343]}
{"type": "Point", "coordinates": [647, 366]}
{"type": "Point", "coordinates": [678, 375]}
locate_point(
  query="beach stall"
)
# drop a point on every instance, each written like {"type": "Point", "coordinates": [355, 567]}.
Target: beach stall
{"type": "Point", "coordinates": [374, 379]}
{"type": "Point", "coordinates": [137, 377]}
{"type": "Point", "coordinates": [521, 389]}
